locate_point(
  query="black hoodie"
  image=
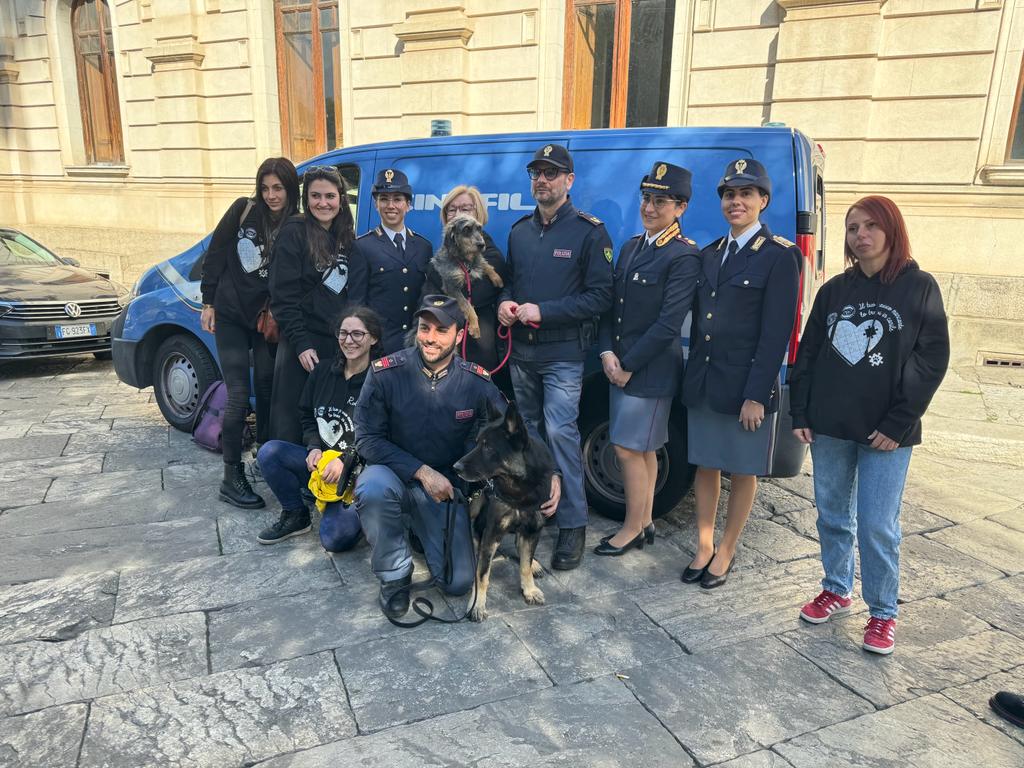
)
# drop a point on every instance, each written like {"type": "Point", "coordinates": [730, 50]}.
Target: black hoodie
{"type": "Point", "coordinates": [871, 358]}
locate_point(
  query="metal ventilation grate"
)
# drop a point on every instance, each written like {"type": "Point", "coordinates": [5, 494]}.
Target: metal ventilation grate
{"type": "Point", "coordinates": [1003, 361]}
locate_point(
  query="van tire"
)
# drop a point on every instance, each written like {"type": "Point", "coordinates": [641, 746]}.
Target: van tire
{"type": "Point", "coordinates": [602, 480]}
{"type": "Point", "coordinates": [183, 370]}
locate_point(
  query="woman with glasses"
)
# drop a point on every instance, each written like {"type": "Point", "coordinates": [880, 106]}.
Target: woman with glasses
{"type": "Point", "coordinates": [325, 409]}
{"type": "Point", "coordinates": [315, 273]}
{"type": "Point", "coordinates": [235, 289]}
{"type": "Point", "coordinates": [654, 283]}
{"type": "Point", "coordinates": [481, 292]}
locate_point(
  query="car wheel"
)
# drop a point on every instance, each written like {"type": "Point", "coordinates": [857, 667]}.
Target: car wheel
{"type": "Point", "coordinates": [182, 371]}
{"type": "Point", "coordinates": [602, 475]}
{"type": "Point", "coordinates": [105, 355]}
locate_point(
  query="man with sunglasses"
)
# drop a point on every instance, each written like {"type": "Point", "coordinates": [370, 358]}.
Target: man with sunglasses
{"type": "Point", "coordinates": [396, 258]}
{"type": "Point", "coordinates": [560, 282]}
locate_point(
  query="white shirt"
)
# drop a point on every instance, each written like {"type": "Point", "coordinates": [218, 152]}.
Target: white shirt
{"type": "Point", "coordinates": [742, 240]}
{"type": "Point", "coordinates": [391, 235]}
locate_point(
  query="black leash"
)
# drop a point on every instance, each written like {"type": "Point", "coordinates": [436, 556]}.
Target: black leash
{"type": "Point", "coordinates": [422, 605]}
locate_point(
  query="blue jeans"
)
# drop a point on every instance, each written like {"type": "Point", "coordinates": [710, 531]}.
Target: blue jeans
{"type": "Point", "coordinates": [284, 468]}
{"type": "Point", "coordinates": [858, 492]}
{"type": "Point", "coordinates": [548, 397]}
{"type": "Point", "coordinates": [387, 507]}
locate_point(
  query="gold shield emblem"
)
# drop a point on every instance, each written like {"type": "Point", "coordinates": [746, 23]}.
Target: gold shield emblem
{"type": "Point", "coordinates": [660, 173]}
{"type": "Point", "coordinates": [438, 302]}
{"type": "Point", "coordinates": [741, 166]}
{"type": "Point", "coordinates": [389, 175]}
{"type": "Point", "coordinates": [548, 150]}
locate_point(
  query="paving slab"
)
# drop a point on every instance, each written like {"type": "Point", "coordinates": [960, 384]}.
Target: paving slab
{"type": "Point", "coordinates": [55, 466]}
{"type": "Point", "coordinates": [928, 568]}
{"type": "Point", "coordinates": [780, 500]}
{"type": "Point", "coordinates": [997, 602]}
{"type": "Point", "coordinates": [718, 718]}
{"type": "Point", "coordinates": [937, 646]}
{"type": "Point", "coordinates": [895, 738]}
{"type": "Point", "coordinates": [987, 541]}
{"type": "Point", "coordinates": [777, 542]}
{"type": "Point", "coordinates": [1013, 519]}
{"type": "Point", "coordinates": [936, 493]}
{"type": "Point", "coordinates": [203, 476]}
{"type": "Point", "coordinates": [596, 637]}
{"type": "Point", "coordinates": [156, 458]}
{"type": "Point", "coordinates": [40, 446]}
{"type": "Point", "coordinates": [105, 485]}
{"type": "Point", "coordinates": [122, 440]}
{"type": "Point", "coordinates": [102, 661]}
{"type": "Point", "coordinates": [225, 720]}
{"type": "Point", "coordinates": [44, 556]}
{"type": "Point", "coordinates": [56, 608]}
{"type": "Point", "coordinates": [970, 473]}
{"type": "Point", "coordinates": [10, 431]}
{"type": "Point", "coordinates": [974, 697]}
{"type": "Point", "coordinates": [21, 745]}
{"type": "Point", "coordinates": [134, 407]}
{"type": "Point", "coordinates": [801, 485]}
{"type": "Point", "coordinates": [598, 724]}
{"type": "Point", "coordinates": [684, 536]}
{"type": "Point", "coordinates": [762, 759]}
{"type": "Point", "coordinates": [19, 493]}
{"type": "Point", "coordinates": [912, 520]}
{"type": "Point", "coordinates": [69, 426]}
{"type": "Point", "coordinates": [60, 414]}
{"type": "Point", "coordinates": [751, 604]}
{"type": "Point", "coordinates": [447, 668]}
{"type": "Point", "coordinates": [204, 583]}
{"type": "Point", "coordinates": [238, 528]}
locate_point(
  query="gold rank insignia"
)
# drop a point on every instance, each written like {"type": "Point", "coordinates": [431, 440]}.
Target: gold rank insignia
{"type": "Point", "coordinates": [548, 150]}
{"type": "Point", "coordinates": [757, 243]}
{"type": "Point", "coordinates": [608, 255]}
{"type": "Point", "coordinates": [438, 302]}
{"type": "Point", "coordinates": [389, 175]}
{"type": "Point", "coordinates": [668, 234]}
{"type": "Point", "coordinates": [741, 166]}
{"type": "Point", "coordinates": [660, 173]}
{"type": "Point", "coordinates": [783, 241]}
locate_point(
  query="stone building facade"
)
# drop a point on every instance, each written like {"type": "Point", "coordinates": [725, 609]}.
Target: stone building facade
{"type": "Point", "coordinates": [127, 162]}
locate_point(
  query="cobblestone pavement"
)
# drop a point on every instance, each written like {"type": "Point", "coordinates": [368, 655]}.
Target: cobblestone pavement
{"type": "Point", "coordinates": [142, 625]}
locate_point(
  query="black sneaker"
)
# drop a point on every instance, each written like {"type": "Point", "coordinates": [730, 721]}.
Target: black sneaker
{"type": "Point", "coordinates": [569, 548]}
{"type": "Point", "coordinates": [235, 488]}
{"type": "Point", "coordinates": [292, 522]}
{"type": "Point", "coordinates": [394, 597]}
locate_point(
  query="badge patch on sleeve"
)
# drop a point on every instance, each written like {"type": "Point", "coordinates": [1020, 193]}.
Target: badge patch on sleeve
{"type": "Point", "coordinates": [608, 255]}
{"type": "Point", "coordinates": [464, 415]}
{"type": "Point", "coordinates": [563, 253]}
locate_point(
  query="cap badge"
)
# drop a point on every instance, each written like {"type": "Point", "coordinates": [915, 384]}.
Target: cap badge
{"type": "Point", "coordinates": [741, 166]}
{"type": "Point", "coordinates": [548, 150]}
{"type": "Point", "coordinates": [438, 302]}
{"type": "Point", "coordinates": [660, 173]}
{"type": "Point", "coordinates": [389, 175]}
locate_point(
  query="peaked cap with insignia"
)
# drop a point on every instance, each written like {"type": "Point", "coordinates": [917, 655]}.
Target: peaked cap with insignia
{"type": "Point", "coordinates": [553, 154]}
{"type": "Point", "coordinates": [391, 180]}
{"type": "Point", "coordinates": [744, 172]}
{"type": "Point", "coordinates": [667, 179]}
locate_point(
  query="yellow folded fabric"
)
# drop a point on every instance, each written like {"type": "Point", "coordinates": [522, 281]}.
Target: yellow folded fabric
{"type": "Point", "coordinates": [325, 492]}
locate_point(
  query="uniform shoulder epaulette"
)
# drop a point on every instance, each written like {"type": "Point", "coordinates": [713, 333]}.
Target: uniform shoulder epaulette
{"type": "Point", "coordinates": [783, 241]}
{"type": "Point", "coordinates": [417, 234]}
{"type": "Point", "coordinates": [668, 235]}
{"type": "Point", "coordinates": [686, 240]}
{"type": "Point", "coordinates": [389, 361]}
{"type": "Point", "coordinates": [375, 231]}
{"type": "Point", "coordinates": [589, 217]}
{"type": "Point", "coordinates": [521, 219]}
{"type": "Point", "coordinates": [716, 245]}
{"type": "Point", "coordinates": [479, 370]}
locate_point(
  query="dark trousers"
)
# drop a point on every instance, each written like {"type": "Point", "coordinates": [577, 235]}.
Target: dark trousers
{"type": "Point", "coordinates": [289, 379]}
{"type": "Point", "coordinates": [234, 342]}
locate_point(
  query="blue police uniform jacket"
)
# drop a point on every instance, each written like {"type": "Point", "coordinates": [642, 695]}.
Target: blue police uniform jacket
{"type": "Point", "coordinates": [406, 416]}
{"type": "Point", "coordinates": [653, 291]}
{"type": "Point", "coordinates": [564, 267]}
{"type": "Point", "coordinates": [742, 321]}
{"type": "Point", "coordinates": [394, 282]}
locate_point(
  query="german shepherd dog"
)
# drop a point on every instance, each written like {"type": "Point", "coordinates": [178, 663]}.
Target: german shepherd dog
{"type": "Point", "coordinates": [463, 251]}
{"type": "Point", "coordinates": [519, 468]}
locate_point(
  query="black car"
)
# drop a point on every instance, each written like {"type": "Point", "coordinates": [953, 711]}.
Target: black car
{"type": "Point", "coordinates": [51, 306]}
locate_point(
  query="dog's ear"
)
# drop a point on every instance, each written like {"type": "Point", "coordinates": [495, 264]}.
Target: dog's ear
{"type": "Point", "coordinates": [449, 237]}
{"type": "Point", "coordinates": [491, 411]}
{"type": "Point", "coordinates": [515, 426]}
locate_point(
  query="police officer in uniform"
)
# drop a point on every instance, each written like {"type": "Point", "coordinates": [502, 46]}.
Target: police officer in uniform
{"type": "Point", "coordinates": [397, 258]}
{"type": "Point", "coordinates": [416, 416]}
{"type": "Point", "coordinates": [560, 282]}
{"type": "Point", "coordinates": [744, 314]}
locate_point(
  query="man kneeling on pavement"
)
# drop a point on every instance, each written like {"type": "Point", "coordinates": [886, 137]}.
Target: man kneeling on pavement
{"type": "Point", "coordinates": [417, 415]}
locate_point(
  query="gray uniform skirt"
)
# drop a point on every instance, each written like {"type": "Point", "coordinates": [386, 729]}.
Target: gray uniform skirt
{"type": "Point", "coordinates": [718, 441]}
{"type": "Point", "coordinates": [637, 423]}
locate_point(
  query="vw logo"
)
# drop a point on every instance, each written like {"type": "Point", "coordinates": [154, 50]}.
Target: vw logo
{"type": "Point", "coordinates": [72, 310]}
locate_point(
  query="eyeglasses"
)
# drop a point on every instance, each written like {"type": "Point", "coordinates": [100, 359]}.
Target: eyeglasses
{"type": "Point", "coordinates": [548, 173]}
{"type": "Point", "coordinates": [658, 201]}
{"type": "Point", "coordinates": [467, 209]}
{"type": "Point", "coordinates": [356, 336]}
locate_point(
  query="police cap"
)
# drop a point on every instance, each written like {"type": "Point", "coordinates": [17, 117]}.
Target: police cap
{"type": "Point", "coordinates": [552, 154]}
{"type": "Point", "coordinates": [391, 180]}
{"type": "Point", "coordinates": [667, 179]}
{"type": "Point", "coordinates": [444, 309]}
{"type": "Point", "coordinates": [745, 173]}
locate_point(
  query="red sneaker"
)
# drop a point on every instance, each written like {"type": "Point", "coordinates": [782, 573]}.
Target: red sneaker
{"type": "Point", "coordinates": [880, 635]}
{"type": "Point", "coordinates": [824, 607]}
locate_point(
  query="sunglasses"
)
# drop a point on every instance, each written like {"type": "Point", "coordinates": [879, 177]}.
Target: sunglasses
{"type": "Point", "coordinates": [548, 173]}
{"type": "Point", "coordinates": [356, 336]}
{"type": "Point", "coordinates": [328, 170]}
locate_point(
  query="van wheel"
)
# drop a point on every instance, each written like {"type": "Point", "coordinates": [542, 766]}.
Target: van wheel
{"type": "Point", "coordinates": [182, 370]}
{"type": "Point", "coordinates": [602, 475]}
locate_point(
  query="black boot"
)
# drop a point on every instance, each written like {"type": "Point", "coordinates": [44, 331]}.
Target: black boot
{"type": "Point", "coordinates": [292, 522]}
{"type": "Point", "coordinates": [235, 488]}
{"type": "Point", "coordinates": [394, 597]}
{"type": "Point", "coordinates": [569, 548]}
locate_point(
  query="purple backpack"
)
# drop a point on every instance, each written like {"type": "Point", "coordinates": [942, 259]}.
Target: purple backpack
{"type": "Point", "coordinates": [209, 418]}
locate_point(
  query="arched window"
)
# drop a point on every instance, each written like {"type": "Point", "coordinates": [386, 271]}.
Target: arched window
{"type": "Point", "coordinates": [97, 81]}
{"type": "Point", "coordinates": [308, 72]}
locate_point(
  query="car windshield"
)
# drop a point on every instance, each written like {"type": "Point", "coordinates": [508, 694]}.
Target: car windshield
{"type": "Point", "coordinates": [17, 250]}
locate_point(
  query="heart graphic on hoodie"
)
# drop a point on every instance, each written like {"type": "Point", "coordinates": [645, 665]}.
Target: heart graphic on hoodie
{"type": "Point", "coordinates": [249, 255]}
{"type": "Point", "coordinates": [853, 342]}
{"type": "Point", "coordinates": [337, 278]}
{"type": "Point", "coordinates": [330, 431]}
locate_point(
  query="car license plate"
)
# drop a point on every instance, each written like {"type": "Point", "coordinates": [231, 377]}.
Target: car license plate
{"type": "Point", "coordinates": [71, 331]}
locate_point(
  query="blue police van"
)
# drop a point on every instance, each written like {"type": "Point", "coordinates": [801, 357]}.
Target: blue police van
{"type": "Point", "coordinates": [157, 340]}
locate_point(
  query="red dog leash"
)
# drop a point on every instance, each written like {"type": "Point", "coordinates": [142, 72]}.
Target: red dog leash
{"type": "Point", "coordinates": [506, 336]}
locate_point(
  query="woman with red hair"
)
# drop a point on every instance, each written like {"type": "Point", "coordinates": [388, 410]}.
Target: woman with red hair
{"type": "Point", "coordinates": [874, 351]}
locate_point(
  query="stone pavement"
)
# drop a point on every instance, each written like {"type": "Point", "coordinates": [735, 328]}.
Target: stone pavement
{"type": "Point", "coordinates": [142, 625]}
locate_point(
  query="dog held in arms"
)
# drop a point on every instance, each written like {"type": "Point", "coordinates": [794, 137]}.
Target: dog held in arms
{"type": "Point", "coordinates": [461, 254]}
{"type": "Point", "coordinates": [519, 469]}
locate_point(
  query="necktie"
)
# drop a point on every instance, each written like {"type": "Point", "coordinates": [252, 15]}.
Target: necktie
{"type": "Point", "coordinates": [731, 251]}
{"type": "Point", "coordinates": [400, 245]}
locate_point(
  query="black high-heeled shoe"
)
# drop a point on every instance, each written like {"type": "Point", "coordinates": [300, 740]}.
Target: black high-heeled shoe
{"type": "Point", "coordinates": [710, 580]}
{"type": "Point", "coordinates": [693, 575]}
{"type": "Point", "coordinates": [649, 531]}
{"type": "Point", "coordinates": [609, 549]}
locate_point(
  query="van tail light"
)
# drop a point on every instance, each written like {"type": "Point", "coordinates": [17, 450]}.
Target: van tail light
{"type": "Point", "coordinates": [806, 245]}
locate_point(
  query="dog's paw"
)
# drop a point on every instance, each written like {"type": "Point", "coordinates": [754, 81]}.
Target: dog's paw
{"type": "Point", "coordinates": [479, 614]}
{"type": "Point", "coordinates": [497, 281]}
{"type": "Point", "coordinates": [538, 570]}
{"type": "Point", "coordinates": [533, 596]}
{"type": "Point", "coordinates": [474, 330]}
